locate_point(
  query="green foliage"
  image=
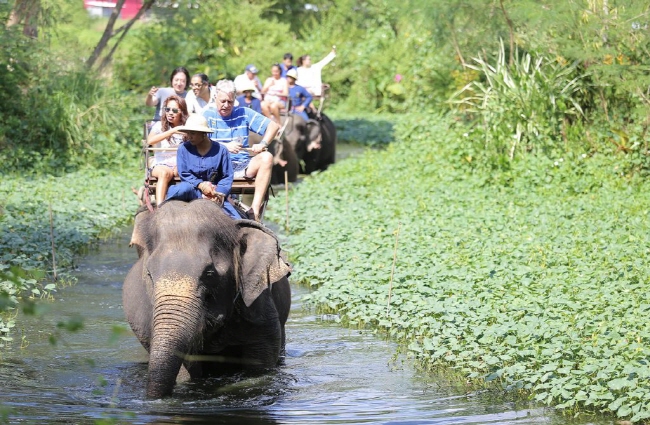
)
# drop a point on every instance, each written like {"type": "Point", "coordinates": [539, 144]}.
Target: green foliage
{"type": "Point", "coordinates": [86, 205]}
{"type": "Point", "coordinates": [533, 279]}
{"type": "Point", "coordinates": [225, 37]}
{"type": "Point", "coordinates": [60, 117]}
{"type": "Point", "coordinates": [523, 107]}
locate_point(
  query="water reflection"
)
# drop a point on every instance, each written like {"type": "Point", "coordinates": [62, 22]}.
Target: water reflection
{"type": "Point", "coordinates": [331, 375]}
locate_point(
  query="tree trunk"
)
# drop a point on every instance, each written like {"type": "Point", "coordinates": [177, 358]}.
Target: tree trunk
{"type": "Point", "coordinates": [124, 29]}
{"type": "Point", "coordinates": [26, 12]}
{"type": "Point", "coordinates": [108, 33]}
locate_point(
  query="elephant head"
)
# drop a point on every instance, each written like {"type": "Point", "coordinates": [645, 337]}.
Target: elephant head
{"type": "Point", "coordinates": [203, 283]}
{"type": "Point", "coordinates": [323, 146]}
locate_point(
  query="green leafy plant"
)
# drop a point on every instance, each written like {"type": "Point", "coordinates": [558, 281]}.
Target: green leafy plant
{"type": "Point", "coordinates": [529, 279]}
{"type": "Point", "coordinates": [524, 107]}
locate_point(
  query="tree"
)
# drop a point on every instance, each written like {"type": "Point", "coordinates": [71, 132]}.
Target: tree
{"type": "Point", "coordinates": [109, 33]}
{"type": "Point", "coordinates": [30, 14]}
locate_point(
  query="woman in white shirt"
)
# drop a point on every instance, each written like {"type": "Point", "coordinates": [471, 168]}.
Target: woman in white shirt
{"type": "Point", "coordinates": [309, 76]}
{"type": "Point", "coordinates": [276, 92]}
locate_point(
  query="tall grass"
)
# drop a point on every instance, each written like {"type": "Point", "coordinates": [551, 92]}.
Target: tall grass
{"type": "Point", "coordinates": [523, 107]}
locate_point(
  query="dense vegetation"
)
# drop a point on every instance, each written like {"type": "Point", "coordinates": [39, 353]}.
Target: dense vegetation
{"type": "Point", "coordinates": [515, 179]}
{"type": "Point", "coordinates": [534, 278]}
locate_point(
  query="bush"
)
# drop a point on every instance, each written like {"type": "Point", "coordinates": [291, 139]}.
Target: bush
{"type": "Point", "coordinates": [522, 108]}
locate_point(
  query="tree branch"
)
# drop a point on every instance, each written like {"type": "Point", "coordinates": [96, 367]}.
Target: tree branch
{"type": "Point", "coordinates": [125, 29]}
{"type": "Point", "coordinates": [108, 33]}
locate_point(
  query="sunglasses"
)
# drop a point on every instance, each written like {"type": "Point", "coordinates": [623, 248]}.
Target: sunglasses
{"type": "Point", "coordinates": [174, 110]}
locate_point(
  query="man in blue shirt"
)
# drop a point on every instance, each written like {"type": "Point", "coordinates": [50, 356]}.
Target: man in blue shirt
{"type": "Point", "coordinates": [230, 125]}
{"type": "Point", "coordinates": [300, 97]}
{"type": "Point", "coordinates": [248, 99]}
{"type": "Point", "coordinates": [203, 165]}
{"type": "Point", "coordinates": [287, 64]}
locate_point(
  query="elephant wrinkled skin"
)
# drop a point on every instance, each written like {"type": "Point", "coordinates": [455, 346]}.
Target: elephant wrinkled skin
{"type": "Point", "coordinates": [207, 291]}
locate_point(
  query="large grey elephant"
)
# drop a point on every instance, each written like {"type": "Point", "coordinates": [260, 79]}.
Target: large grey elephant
{"type": "Point", "coordinates": [309, 145]}
{"type": "Point", "coordinates": [320, 159]}
{"type": "Point", "coordinates": [207, 291]}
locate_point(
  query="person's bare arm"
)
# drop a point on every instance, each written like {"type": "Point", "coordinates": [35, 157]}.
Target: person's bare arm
{"type": "Point", "coordinates": [269, 135]}
{"type": "Point", "coordinates": [151, 99]}
{"type": "Point", "coordinates": [159, 137]}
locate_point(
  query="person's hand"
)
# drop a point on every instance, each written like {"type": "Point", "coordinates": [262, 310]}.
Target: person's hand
{"type": "Point", "coordinates": [258, 147]}
{"type": "Point", "coordinates": [207, 189]}
{"type": "Point", "coordinates": [233, 147]}
{"type": "Point", "coordinates": [153, 91]}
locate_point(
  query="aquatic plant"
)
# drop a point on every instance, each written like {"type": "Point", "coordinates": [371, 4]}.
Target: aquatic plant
{"type": "Point", "coordinates": [533, 279]}
{"type": "Point", "coordinates": [82, 206]}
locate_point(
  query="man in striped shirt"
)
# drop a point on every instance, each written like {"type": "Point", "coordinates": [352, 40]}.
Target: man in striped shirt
{"type": "Point", "coordinates": [231, 125]}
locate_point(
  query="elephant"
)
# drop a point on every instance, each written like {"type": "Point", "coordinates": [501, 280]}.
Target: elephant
{"type": "Point", "coordinates": [320, 159]}
{"type": "Point", "coordinates": [284, 159]}
{"type": "Point", "coordinates": [206, 293]}
{"type": "Point", "coordinates": [310, 145]}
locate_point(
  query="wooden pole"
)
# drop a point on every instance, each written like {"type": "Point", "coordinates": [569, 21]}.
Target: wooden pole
{"type": "Point", "coordinates": [392, 271]}
{"type": "Point", "coordinates": [286, 197]}
{"type": "Point", "coordinates": [52, 239]}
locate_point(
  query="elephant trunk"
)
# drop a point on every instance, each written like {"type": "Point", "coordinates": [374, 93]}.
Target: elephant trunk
{"type": "Point", "coordinates": [177, 316]}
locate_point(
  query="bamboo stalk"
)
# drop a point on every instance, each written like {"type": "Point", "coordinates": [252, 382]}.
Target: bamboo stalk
{"type": "Point", "coordinates": [286, 195]}
{"type": "Point", "coordinates": [52, 239]}
{"type": "Point", "coordinates": [392, 271]}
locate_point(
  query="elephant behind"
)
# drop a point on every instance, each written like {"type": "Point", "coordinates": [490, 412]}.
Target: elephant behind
{"type": "Point", "coordinates": [206, 291]}
{"type": "Point", "coordinates": [306, 145]}
{"type": "Point", "coordinates": [320, 159]}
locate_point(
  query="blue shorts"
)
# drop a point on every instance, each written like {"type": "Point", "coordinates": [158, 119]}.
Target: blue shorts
{"type": "Point", "coordinates": [239, 168]}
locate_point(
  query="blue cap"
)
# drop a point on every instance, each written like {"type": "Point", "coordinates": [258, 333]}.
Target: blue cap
{"type": "Point", "coordinates": [251, 68]}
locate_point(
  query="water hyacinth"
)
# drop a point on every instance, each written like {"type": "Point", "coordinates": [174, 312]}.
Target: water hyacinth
{"type": "Point", "coordinates": [533, 280]}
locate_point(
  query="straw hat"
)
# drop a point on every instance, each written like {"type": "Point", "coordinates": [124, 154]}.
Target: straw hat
{"type": "Point", "coordinates": [248, 86]}
{"type": "Point", "coordinates": [292, 73]}
{"type": "Point", "coordinates": [196, 122]}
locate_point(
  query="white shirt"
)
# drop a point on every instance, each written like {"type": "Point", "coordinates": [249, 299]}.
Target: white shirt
{"type": "Point", "coordinates": [196, 105]}
{"type": "Point", "coordinates": [310, 78]}
{"type": "Point", "coordinates": [242, 81]}
{"type": "Point", "coordinates": [165, 157]}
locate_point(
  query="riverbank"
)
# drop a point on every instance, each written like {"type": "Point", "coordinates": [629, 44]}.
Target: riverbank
{"type": "Point", "coordinates": [534, 278]}
{"type": "Point", "coordinates": [77, 209]}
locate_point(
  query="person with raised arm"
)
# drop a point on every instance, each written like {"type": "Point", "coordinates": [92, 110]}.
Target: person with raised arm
{"type": "Point", "coordinates": [179, 80]}
{"type": "Point", "coordinates": [309, 76]}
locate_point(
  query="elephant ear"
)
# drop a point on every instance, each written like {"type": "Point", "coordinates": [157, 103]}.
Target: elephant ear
{"type": "Point", "coordinates": [138, 237]}
{"type": "Point", "coordinates": [262, 262]}
{"type": "Point", "coordinates": [314, 130]}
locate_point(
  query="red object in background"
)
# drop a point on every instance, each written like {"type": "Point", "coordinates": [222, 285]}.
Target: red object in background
{"type": "Point", "coordinates": [105, 8]}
